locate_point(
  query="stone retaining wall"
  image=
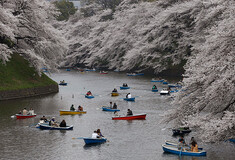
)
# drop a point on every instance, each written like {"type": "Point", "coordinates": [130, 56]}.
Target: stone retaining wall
{"type": "Point", "coordinates": [23, 93]}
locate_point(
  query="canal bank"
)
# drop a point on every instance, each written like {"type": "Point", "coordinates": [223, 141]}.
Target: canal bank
{"type": "Point", "coordinates": [19, 80]}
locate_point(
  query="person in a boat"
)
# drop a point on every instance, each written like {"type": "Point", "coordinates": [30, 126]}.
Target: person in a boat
{"type": "Point", "coordinates": [114, 106]}
{"type": "Point", "coordinates": [194, 147]}
{"type": "Point", "coordinates": [52, 122]}
{"type": "Point", "coordinates": [181, 139]}
{"type": "Point", "coordinates": [114, 90]}
{"type": "Point", "coordinates": [63, 81]}
{"type": "Point", "coordinates": [110, 104]}
{"type": "Point", "coordinates": [25, 112]}
{"type": "Point", "coordinates": [72, 108]}
{"type": "Point", "coordinates": [154, 87]}
{"type": "Point", "coordinates": [80, 108]}
{"type": "Point", "coordinates": [129, 112]}
{"type": "Point", "coordinates": [125, 85]}
{"type": "Point", "coordinates": [181, 145]}
{"type": "Point", "coordinates": [99, 133]}
{"type": "Point", "coordinates": [31, 111]}
{"type": "Point", "coordinates": [95, 135]}
{"type": "Point", "coordinates": [43, 119]}
{"type": "Point", "coordinates": [63, 123]}
{"type": "Point", "coordinates": [89, 93]}
{"type": "Point", "coordinates": [20, 112]}
{"type": "Point", "coordinates": [128, 95]}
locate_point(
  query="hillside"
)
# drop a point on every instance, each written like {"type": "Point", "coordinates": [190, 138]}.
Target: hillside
{"type": "Point", "coordinates": [17, 74]}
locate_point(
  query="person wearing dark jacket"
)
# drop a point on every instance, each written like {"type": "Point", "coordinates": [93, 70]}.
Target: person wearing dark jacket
{"type": "Point", "coordinates": [63, 123]}
{"type": "Point", "coordinates": [129, 112]}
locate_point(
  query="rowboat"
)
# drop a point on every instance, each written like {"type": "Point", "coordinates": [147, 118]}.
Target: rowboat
{"type": "Point", "coordinates": [48, 127]}
{"type": "Point", "coordinates": [164, 91]}
{"type": "Point", "coordinates": [133, 117]}
{"type": "Point", "coordinates": [135, 74]}
{"type": "Point", "coordinates": [174, 91]}
{"type": "Point", "coordinates": [124, 88]}
{"type": "Point", "coordinates": [175, 150]}
{"type": "Point", "coordinates": [181, 131]}
{"type": "Point", "coordinates": [154, 90]}
{"type": "Point", "coordinates": [176, 144]}
{"type": "Point", "coordinates": [68, 69]}
{"type": "Point", "coordinates": [63, 84]}
{"type": "Point", "coordinates": [164, 82]}
{"type": "Point", "coordinates": [108, 109]}
{"type": "Point", "coordinates": [155, 80]}
{"type": "Point", "coordinates": [89, 140]}
{"type": "Point", "coordinates": [41, 122]}
{"type": "Point", "coordinates": [21, 116]}
{"type": "Point", "coordinates": [113, 94]}
{"type": "Point", "coordinates": [232, 140]}
{"type": "Point", "coordinates": [174, 86]}
{"type": "Point", "coordinates": [89, 96]}
{"type": "Point", "coordinates": [63, 112]}
{"type": "Point", "coordinates": [129, 99]}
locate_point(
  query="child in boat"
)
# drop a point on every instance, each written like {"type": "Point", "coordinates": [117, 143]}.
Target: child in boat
{"type": "Point", "coordinates": [80, 108]}
{"type": "Point", "coordinates": [72, 108]}
{"type": "Point", "coordinates": [63, 123]}
{"type": "Point", "coordinates": [114, 90]}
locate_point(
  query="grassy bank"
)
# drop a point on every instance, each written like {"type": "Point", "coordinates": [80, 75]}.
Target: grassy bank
{"type": "Point", "coordinates": [17, 74]}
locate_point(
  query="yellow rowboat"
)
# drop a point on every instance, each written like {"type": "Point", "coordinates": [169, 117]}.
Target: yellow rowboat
{"type": "Point", "coordinates": [71, 112]}
{"type": "Point", "coordinates": [114, 94]}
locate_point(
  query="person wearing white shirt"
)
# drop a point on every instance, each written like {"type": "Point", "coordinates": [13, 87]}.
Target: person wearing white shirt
{"type": "Point", "coordinates": [95, 135]}
{"type": "Point", "coordinates": [129, 95]}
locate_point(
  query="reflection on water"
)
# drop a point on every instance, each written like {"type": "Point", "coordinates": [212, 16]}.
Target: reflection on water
{"type": "Point", "coordinates": [136, 139]}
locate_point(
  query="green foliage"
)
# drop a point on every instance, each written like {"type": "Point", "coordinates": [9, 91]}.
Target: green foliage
{"type": "Point", "coordinates": [66, 9]}
{"type": "Point", "coordinates": [17, 74]}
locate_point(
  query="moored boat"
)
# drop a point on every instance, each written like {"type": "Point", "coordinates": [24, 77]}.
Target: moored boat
{"type": "Point", "coordinates": [89, 96]}
{"type": "Point", "coordinates": [157, 80]}
{"type": "Point", "coordinates": [89, 140]}
{"type": "Point", "coordinates": [122, 88]}
{"type": "Point", "coordinates": [179, 151]}
{"type": "Point", "coordinates": [21, 116]}
{"type": "Point", "coordinates": [113, 94]}
{"type": "Point", "coordinates": [64, 112]}
{"type": "Point", "coordinates": [133, 117]}
{"type": "Point", "coordinates": [135, 74]}
{"type": "Point", "coordinates": [181, 131]}
{"type": "Point", "coordinates": [48, 127]}
{"type": "Point", "coordinates": [108, 109]}
{"type": "Point", "coordinates": [164, 91]}
{"type": "Point", "coordinates": [129, 99]}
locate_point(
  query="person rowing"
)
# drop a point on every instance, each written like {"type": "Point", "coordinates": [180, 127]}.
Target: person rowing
{"type": "Point", "coordinates": [129, 112]}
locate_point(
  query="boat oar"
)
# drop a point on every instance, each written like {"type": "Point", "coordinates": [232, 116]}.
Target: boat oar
{"type": "Point", "coordinates": [78, 138]}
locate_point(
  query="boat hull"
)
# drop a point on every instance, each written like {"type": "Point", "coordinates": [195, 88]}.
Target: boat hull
{"type": "Point", "coordinates": [138, 116]}
{"type": "Point", "coordinates": [113, 94]}
{"type": "Point", "coordinates": [180, 131]}
{"type": "Point", "coordinates": [108, 109]}
{"type": "Point", "coordinates": [129, 99]}
{"type": "Point", "coordinates": [122, 88]}
{"type": "Point", "coordinates": [47, 127]}
{"type": "Point", "coordinates": [164, 82]}
{"type": "Point", "coordinates": [94, 140]}
{"type": "Point", "coordinates": [175, 150]}
{"type": "Point", "coordinates": [63, 84]}
{"type": "Point", "coordinates": [154, 90]}
{"type": "Point", "coordinates": [232, 140]}
{"type": "Point", "coordinates": [157, 80]}
{"type": "Point", "coordinates": [19, 116]}
{"type": "Point", "coordinates": [89, 97]}
{"type": "Point", "coordinates": [72, 112]}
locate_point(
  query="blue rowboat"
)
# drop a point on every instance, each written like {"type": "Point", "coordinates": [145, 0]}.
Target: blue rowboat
{"type": "Point", "coordinates": [232, 140]}
{"type": "Point", "coordinates": [176, 144]}
{"type": "Point", "coordinates": [88, 140]}
{"type": "Point", "coordinates": [63, 84]}
{"type": "Point", "coordinates": [154, 90]}
{"type": "Point", "coordinates": [68, 70]}
{"type": "Point", "coordinates": [124, 88]}
{"type": "Point", "coordinates": [48, 127]}
{"type": "Point", "coordinates": [89, 96]}
{"type": "Point", "coordinates": [108, 109]}
{"type": "Point", "coordinates": [175, 150]}
{"type": "Point", "coordinates": [129, 99]}
{"type": "Point", "coordinates": [164, 82]}
{"type": "Point", "coordinates": [156, 80]}
{"type": "Point", "coordinates": [174, 91]}
{"type": "Point", "coordinates": [135, 74]}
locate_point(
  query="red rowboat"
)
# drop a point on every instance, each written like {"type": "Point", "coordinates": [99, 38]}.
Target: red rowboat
{"type": "Point", "coordinates": [21, 116]}
{"type": "Point", "coordinates": [136, 116]}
